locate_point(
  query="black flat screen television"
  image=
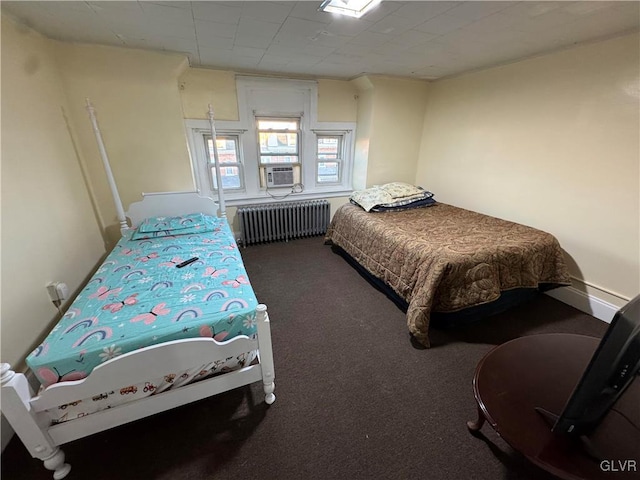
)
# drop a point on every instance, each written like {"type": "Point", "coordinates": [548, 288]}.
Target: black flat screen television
{"type": "Point", "coordinates": [611, 370]}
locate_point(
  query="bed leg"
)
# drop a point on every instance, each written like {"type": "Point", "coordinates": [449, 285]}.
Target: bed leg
{"type": "Point", "coordinates": [16, 408]}
{"type": "Point", "coordinates": [266, 353]}
{"type": "Point", "coordinates": [56, 463]}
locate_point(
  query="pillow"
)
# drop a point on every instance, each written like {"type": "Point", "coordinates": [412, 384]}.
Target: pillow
{"type": "Point", "coordinates": [196, 223]}
{"type": "Point", "coordinates": [401, 189]}
{"type": "Point", "coordinates": [159, 224]}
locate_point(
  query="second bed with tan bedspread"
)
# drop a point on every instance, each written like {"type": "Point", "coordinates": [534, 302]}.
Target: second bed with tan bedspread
{"type": "Point", "coordinates": [445, 259]}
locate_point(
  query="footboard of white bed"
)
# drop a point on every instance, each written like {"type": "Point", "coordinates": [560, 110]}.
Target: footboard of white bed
{"type": "Point", "coordinates": [26, 411]}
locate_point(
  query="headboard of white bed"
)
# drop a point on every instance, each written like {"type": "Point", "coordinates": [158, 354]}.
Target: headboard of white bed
{"type": "Point", "coordinates": [170, 204]}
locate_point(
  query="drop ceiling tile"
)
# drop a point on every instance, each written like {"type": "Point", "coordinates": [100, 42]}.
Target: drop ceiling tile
{"type": "Point", "coordinates": [328, 40]}
{"type": "Point", "coordinates": [271, 59]}
{"type": "Point", "coordinates": [351, 49]}
{"type": "Point", "coordinates": [302, 60]}
{"type": "Point", "coordinates": [127, 18]}
{"type": "Point", "coordinates": [208, 30]}
{"type": "Point", "coordinates": [174, 30]}
{"type": "Point", "coordinates": [411, 38]}
{"type": "Point", "coordinates": [544, 22]}
{"type": "Point", "coordinates": [492, 23]}
{"type": "Point", "coordinates": [217, 12]}
{"type": "Point", "coordinates": [340, 58]}
{"type": "Point", "coordinates": [180, 46]}
{"type": "Point", "coordinates": [214, 56]}
{"type": "Point", "coordinates": [249, 52]}
{"type": "Point", "coordinates": [335, 70]}
{"type": "Point", "coordinates": [299, 26]}
{"type": "Point", "coordinates": [424, 10]}
{"type": "Point", "coordinates": [600, 24]}
{"type": "Point", "coordinates": [238, 61]}
{"type": "Point", "coordinates": [442, 24]}
{"type": "Point", "coordinates": [309, 11]}
{"type": "Point", "coordinates": [289, 39]}
{"type": "Point", "coordinates": [252, 41]}
{"type": "Point", "coordinates": [381, 11]}
{"type": "Point", "coordinates": [477, 10]}
{"type": "Point", "coordinates": [370, 39]}
{"type": "Point", "coordinates": [348, 26]}
{"type": "Point", "coordinates": [112, 7]}
{"type": "Point", "coordinates": [257, 28]}
{"type": "Point", "coordinates": [215, 43]}
{"type": "Point", "coordinates": [267, 11]}
{"type": "Point", "coordinates": [304, 49]}
{"type": "Point", "coordinates": [394, 24]}
{"type": "Point", "coordinates": [164, 15]}
{"type": "Point", "coordinates": [177, 4]}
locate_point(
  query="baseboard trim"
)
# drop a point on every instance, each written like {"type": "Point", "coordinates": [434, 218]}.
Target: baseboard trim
{"type": "Point", "coordinates": [585, 302]}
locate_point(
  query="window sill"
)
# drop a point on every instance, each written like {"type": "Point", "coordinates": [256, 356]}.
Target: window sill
{"type": "Point", "coordinates": [264, 197]}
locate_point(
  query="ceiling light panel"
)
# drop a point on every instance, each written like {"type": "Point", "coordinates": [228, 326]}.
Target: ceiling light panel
{"type": "Point", "coordinates": [350, 8]}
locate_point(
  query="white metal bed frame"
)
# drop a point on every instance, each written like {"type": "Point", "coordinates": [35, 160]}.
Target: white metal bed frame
{"type": "Point", "coordinates": [25, 411]}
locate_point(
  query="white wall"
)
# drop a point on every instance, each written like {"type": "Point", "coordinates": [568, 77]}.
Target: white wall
{"type": "Point", "coordinates": [551, 142]}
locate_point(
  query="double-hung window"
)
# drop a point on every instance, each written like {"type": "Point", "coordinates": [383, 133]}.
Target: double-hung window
{"type": "Point", "coordinates": [228, 147]}
{"type": "Point", "coordinates": [329, 158]}
{"type": "Point", "coordinates": [278, 148]}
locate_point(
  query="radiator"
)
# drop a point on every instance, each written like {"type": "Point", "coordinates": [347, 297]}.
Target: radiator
{"type": "Point", "coordinates": [282, 221]}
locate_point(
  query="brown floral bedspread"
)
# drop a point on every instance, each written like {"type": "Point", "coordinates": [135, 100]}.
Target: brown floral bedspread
{"type": "Point", "coordinates": [444, 259]}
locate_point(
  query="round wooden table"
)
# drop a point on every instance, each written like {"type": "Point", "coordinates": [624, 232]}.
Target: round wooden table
{"type": "Point", "coordinates": [515, 378]}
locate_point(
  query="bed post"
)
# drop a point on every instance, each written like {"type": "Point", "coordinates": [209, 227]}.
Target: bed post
{"type": "Point", "coordinates": [266, 353]}
{"type": "Point", "coordinates": [107, 168]}
{"type": "Point", "coordinates": [16, 395]}
{"type": "Point", "coordinates": [216, 160]}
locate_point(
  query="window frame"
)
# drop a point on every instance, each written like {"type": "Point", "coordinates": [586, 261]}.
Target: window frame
{"type": "Point", "coordinates": [211, 163]}
{"type": "Point", "coordinates": [341, 135]}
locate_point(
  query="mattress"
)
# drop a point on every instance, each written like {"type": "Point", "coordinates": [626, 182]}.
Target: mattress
{"type": "Point", "coordinates": [446, 259]}
{"type": "Point", "coordinates": [138, 298]}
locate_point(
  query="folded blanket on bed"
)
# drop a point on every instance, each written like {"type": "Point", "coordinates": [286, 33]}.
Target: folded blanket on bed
{"type": "Point", "coordinates": [422, 202]}
{"type": "Point", "coordinates": [389, 196]}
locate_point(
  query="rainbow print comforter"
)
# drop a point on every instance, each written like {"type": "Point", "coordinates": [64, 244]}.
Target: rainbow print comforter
{"type": "Point", "coordinates": [138, 297]}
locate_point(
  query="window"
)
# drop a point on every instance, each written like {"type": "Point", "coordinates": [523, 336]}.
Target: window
{"type": "Point", "coordinates": [276, 148]}
{"type": "Point", "coordinates": [278, 140]}
{"type": "Point", "coordinates": [229, 158]}
{"type": "Point", "coordinates": [278, 143]}
{"type": "Point", "coordinates": [329, 156]}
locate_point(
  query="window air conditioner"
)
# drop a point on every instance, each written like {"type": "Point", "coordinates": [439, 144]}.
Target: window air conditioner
{"type": "Point", "coordinates": [280, 176]}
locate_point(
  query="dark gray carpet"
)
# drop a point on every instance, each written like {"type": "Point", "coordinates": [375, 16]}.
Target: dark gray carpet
{"type": "Point", "coordinates": [355, 399]}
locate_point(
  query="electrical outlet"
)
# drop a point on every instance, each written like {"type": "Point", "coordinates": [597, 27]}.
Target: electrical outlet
{"type": "Point", "coordinates": [58, 291]}
{"type": "Point", "coordinates": [51, 290]}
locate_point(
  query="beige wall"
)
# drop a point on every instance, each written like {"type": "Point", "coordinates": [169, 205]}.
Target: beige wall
{"type": "Point", "coordinates": [337, 101]}
{"type": "Point", "coordinates": [390, 117]}
{"type": "Point", "coordinates": [200, 87]}
{"type": "Point", "coordinates": [49, 229]}
{"type": "Point", "coordinates": [551, 142]}
{"type": "Point", "coordinates": [139, 111]}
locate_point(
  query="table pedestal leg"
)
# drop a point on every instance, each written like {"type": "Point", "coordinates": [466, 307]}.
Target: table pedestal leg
{"type": "Point", "coordinates": [475, 427]}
